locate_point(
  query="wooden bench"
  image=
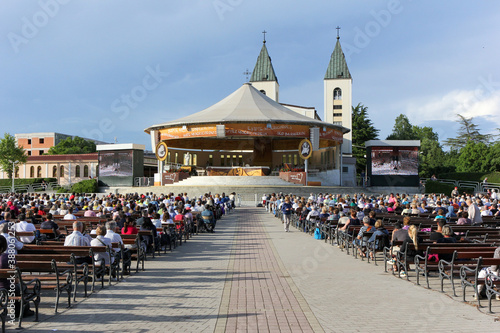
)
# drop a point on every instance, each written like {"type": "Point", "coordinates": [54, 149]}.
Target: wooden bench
{"type": "Point", "coordinates": [469, 277]}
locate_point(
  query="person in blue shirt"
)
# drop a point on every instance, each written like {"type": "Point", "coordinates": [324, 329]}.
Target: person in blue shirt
{"type": "Point", "coordinates": [287, 209]}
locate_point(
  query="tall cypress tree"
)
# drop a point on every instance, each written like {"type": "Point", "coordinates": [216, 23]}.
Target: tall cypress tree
{"type": "Point", "coordinates": [362, 131]}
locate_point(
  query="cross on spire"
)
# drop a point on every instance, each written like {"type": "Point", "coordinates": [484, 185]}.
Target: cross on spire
{"type": "Point", "coordinates": [338, 32]}
{"type": "Point", "coordinates": [247, 73]}
{"type": "Point", "coordinates": [264, 33]}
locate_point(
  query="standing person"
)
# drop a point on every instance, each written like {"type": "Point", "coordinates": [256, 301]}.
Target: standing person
{"type": "Point", "coordinates": [286, 208]}
{"type": "Point", "coordinates": [474, 212]}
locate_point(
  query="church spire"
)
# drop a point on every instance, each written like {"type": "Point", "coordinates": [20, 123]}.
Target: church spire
{"type": "Point", "coordinates": [337, 68]}
{"type": "Point", "coordinates": [263, 70]}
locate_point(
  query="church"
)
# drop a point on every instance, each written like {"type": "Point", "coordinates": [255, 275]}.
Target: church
{"type": "Point", "coordinates": [337, 99]}
{"type": "Point", "coordinates": [251, 132]}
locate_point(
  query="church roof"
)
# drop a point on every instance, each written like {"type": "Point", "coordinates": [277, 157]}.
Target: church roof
{"type": "Point", "coordinates": [337, 68]}
{"type": "Point", "coordinates": [263, 70]}
{"type": "Point", "coordinates": [245, 105]}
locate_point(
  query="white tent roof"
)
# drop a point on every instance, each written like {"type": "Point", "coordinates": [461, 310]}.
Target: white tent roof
{"type": "Point", "coordinates": [244, 105]}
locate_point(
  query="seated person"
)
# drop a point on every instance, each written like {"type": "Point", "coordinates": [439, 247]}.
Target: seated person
{"type": "Point", "coordinates": [49, 224]}
{"type": "Point", "coordinates": [77, 238]}
{"type": "Point", "coordinates": [434, 236]}
{"type": "Point", "coordinates": [412, 239]}
{"type": "Point", "coordinates": [352, 221]}
{"type": "Point", "coordinates": [361, 239]}
{"type": "Point", "coordinates": [207, 214]}
{"type": "Point", "coordinates": [464, 218]}
{"type": "Point", "coordinates": [100, 240]}
{"type": "Point", "coordinates": [379, 231]}
{"type": "Point", "coordinates": [4, 231]}
{"type": "Point", "coordinates": [129, 227]}
{"type": "Point", "coordinates": [70, 215]}
{"type": "Point", "coordinates": [22, 226]}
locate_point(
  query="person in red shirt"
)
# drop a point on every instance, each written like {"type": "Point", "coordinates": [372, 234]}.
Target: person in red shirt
{"type": "Point", "coordinates": [129, 227]}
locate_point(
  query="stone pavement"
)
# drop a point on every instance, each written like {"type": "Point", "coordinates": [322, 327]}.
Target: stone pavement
{"type": "Point", "coordinates": [251, 276]}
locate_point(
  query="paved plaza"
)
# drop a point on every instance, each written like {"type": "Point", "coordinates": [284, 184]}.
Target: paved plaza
{"type": "Point", "coordinates": [251, 276]}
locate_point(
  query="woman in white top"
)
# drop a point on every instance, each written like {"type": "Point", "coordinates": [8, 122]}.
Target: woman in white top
{"type": "Point", "coordinates": [100, 240]}
{"type": "Point", "coordinates": [63, 210]}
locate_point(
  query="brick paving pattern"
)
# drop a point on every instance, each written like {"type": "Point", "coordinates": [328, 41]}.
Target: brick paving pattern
{"type": "Point", "coordinates": [251, 276]}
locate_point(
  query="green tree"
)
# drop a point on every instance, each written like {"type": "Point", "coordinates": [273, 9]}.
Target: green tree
{"type": "Point", "coordinates": [9, 153]}
{"type": "Point", "coordinates": [493, 157]}
{"type": "Point", "coordinates": [473, 158]}
{"type": "Point", "coordinates": [362, 131]}
{"type": "Point", "coordinates": [468, 132]}
{"type": "Point", "coordinates": [402, 130]}
{"type": "Point", "coordinates": [74, 145]}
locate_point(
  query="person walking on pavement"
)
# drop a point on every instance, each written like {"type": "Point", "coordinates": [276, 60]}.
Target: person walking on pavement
{"type": "Point", "coordinates": [286, 208]}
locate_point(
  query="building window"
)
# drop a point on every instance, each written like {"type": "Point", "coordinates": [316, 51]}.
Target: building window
{"type": "Point", "coordinates": [337, 94]}
{"type": "Point", "coordinates": [233, 160]}
{"type": "Point", "coordinates": [29, 141]}
{"type": "Point", "coordinates": [337, 114]}
{"type": "Point", "coordinates": [263, 91]}
{"type": "Point", "coordinates": [176, 158]}
{"type": "Point", "coordinates": [295, 159]}
{"type": "Point", "coordinates": [168, 157]}
{"type": "Point", "coordinates": [210, 160]}
{"type": "Point", "coordinates": [41, 152]}
{"type": "Point", "coordinates": [29, 152]}
{"type": "Point", "coordinates": [77, 171]}
{"type": "Point", "coordinates": [54, 171]}
{"type": "Point", "coordinates": [337, 107]}
{"type": "Point", "coordinates": [32, 172]}
{"type": "Point", "coordinates": [337, 123]}
{"type": "Point", "coordinates": [41, 140]}
{"type": "Point", "coordinates": [222, 160]}
{"type": "Point", "coordinates": [290, 158]}
{"type": "Point", "coordinates": [283, 159]}
{"type": "Point", "coordinates": [85, 171]}
{"type": "Point", "coordinates": [195, 159]}
{"type": "Point", "coordinates": [61, 171]}
{"type": "Point", "coordinates": [345, 169]}
{"type": "Point", "coordinates": [240, 160]}
{"type": "Point", "coordinates": [228, 160]}
{"type": "Point", "coordinates": [39, 172]}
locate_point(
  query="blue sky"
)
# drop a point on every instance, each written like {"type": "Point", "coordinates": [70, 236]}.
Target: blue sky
{"type": "Point", "coordinates": [68, 66]}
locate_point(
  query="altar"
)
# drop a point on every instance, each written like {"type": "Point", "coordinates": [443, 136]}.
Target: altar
{"type": "Point", "coordinates": [238, 171]}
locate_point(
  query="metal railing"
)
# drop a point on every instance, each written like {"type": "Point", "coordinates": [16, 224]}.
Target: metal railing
{"type": "Point", "coordinates": [144, 181]}
{"type": "Point", "coordinates": [38, 187]}
{"type": "Point", "coordinates": [478, 187]}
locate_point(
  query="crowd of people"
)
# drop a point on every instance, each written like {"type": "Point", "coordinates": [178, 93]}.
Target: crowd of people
{"type": "Point", "coordinates": [361, 210]}
{"type": "Point", "coordinates": [126, 214]}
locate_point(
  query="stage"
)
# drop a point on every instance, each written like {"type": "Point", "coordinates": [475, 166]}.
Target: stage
{"type": "Point", "coordinates": [238, 171]}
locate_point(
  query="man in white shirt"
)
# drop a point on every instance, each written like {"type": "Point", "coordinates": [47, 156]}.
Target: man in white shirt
{"type": "Point", "coordinates": [70, 215]}
{"type": "Point", "coordinates": [4, 231]}
{"type": "Point", "coordinates": [112, 235]}
{"type": "Point", "coordinates": [21, 226]}
{"type": "Point", "coordinates": [76, 238]}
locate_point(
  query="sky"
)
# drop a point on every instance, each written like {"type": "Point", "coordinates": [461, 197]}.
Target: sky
{"type": "Point", "coordinates": [106, 70]}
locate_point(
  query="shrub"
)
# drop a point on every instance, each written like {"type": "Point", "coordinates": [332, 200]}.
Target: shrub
{"type": "Point", "coordinates": [493, 177]}
{"type": "Point", "coordinates": [437, 187]}
{"type": "Point", "coordinates": [85, 186]}
{"type": "Point", "coordinates": [26, 181]}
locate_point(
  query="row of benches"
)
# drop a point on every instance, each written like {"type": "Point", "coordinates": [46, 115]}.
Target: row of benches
{"type": "Point", "coordinates": [464, 259]}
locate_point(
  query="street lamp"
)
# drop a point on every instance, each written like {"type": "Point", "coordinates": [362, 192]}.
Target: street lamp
{"type": "Point", "coordinates": [13, 190]}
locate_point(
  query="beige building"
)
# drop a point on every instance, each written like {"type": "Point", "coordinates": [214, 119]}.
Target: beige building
{"type": "Point", "coordinates": [67, 169]}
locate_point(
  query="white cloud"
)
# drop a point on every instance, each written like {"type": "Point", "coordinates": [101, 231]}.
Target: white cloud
{"type": "Point", "coordinates": [469, 103]}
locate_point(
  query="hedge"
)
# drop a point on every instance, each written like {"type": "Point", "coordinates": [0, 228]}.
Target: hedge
{"type": "Point", "coordinates": [26, 181]}
{"type": "Point", "coordinates": [437, 187]}
{"type": "Point", "coordinates": [85, 186]}
{"type": "Point", "coordinates": [493, 177]}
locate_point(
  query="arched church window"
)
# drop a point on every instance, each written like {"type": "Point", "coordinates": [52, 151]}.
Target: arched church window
{"type": "Point", "coordinates": [54, 171]}
{"type": "Point", "coordinates": [85, 171]}
{"type": "Point", "coordinates": [32, 172]}
{"type": "Point", "coordinates": [39, 172]}
{"type": "Point", "coordinates": [337, 94]}
{"type": "Point", "coordinates": [263, 91]}
{"type": "Point", "coordinates": [77, 171]}
{"type": "Point", "coordinates": [61, 171]}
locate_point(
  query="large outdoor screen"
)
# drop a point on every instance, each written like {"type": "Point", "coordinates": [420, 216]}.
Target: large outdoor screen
{"type": "Point", "coordinates": [115, 163]}
{"type": "Point", "coordinates": [395, 161]}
